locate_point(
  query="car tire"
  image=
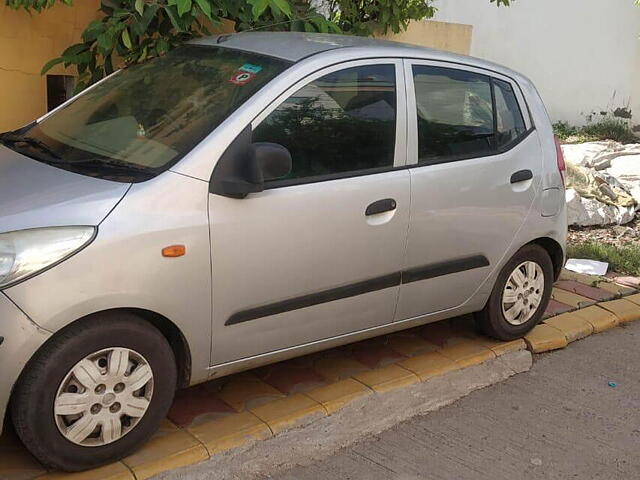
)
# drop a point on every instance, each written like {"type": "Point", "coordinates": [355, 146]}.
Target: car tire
{"type": "Point", "coordinates": [520, 296]}
{"type": "Point", "coordinates": [95, 392]}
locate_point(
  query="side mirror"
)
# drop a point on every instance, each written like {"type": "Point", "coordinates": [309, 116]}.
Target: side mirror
{"type": "Point", "coordinates": [244, 167]}
{"type": "Point", "coordinates": [273, 160]}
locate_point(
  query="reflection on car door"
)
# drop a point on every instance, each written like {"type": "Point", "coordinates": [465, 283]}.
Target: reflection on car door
{"type": "Point", "coordinates": [465, 210]}
{"type": "Point", "coordinates": [317, 254]}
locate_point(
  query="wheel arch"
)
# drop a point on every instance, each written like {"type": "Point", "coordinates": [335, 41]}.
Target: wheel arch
{"type": "Point", "coordinates": [555, 251]}
{"type": "Point", "coordinates": [165, 326]}
{"type": "Point", "coordinates": [174, 336]}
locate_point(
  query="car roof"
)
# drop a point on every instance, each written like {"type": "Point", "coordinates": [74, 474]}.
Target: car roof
{"type": "Point", "coordinates": [297, 46]}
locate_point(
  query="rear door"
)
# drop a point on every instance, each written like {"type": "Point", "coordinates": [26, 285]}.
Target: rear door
{"type": "Point", "coordinates": [318, 253]}
{"type": "Point", "coordinates": [476, 171]}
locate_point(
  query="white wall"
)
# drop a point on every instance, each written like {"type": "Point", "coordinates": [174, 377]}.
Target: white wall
{"type": "Point", "coordinates": [583, 55]}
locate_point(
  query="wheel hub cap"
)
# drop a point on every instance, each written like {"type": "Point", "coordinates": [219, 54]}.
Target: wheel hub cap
{"type": "Point", "coordinates": [103, 397]}
{"type": "Point", "coordinates": [523, 293]}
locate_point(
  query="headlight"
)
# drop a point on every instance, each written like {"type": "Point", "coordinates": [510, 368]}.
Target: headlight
{"type": "Point", "coordinates": [25, 253]}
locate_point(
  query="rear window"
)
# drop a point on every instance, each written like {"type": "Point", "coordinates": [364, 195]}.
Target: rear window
{"type": "Point", "coordinates": [510, 124]}
{"type": "Point", "coordinates": [463, 114]}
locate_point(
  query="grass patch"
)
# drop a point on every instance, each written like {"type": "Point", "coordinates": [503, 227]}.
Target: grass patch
{"type": "Point", "coordinates": [624, 259]}
{"type": "Point", "coordinates": [606, 129]}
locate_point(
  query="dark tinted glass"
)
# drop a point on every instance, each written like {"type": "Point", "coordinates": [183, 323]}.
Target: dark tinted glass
{"type": "Point", "coordinates": [455, 114]}
{"type": "Point", "coordinates": [343, 122]}
{"type": "Point", "coordinates": [510, 122]}
{"type": "Point", "coordinates": [142, 120]}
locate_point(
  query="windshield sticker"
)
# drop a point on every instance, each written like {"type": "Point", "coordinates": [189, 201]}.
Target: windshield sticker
{"type": "Point", "coordinates": [242, 78]}
{"type": "Point", "coordinates": [248, 67]}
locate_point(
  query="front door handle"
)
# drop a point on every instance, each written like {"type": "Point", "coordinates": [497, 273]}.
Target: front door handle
{"type": "Point", "coordinates": [521, 176]}
{"type": "Point", "coordinates": [381, 206]}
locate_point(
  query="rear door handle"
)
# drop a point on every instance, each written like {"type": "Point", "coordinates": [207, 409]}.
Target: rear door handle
{"type": "Point", "coordinates": [381, 206]}
{"type": "Point", "coordinates": [521, 176]}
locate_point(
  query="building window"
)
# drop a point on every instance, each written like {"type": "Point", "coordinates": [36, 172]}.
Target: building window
{"type": "Point", "coordinates": [59, 89]}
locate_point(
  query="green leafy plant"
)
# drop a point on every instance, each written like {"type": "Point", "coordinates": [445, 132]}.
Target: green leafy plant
{"type": "Point", "coordinates": [368, 17]}
{"type": "Point", "coordinates": [132, 31]}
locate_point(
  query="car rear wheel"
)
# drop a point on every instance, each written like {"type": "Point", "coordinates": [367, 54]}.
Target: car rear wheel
{"type": "Point", "coordinates": [520, 295]}
{"type": "Point", "coordinates": [96, 392]}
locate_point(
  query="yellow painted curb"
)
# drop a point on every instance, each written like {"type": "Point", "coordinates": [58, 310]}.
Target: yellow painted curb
{"type": "Point", "coordinates": [468, 352]}
{"type": "Point", "coordinates": [625, 310]}
{"type": "Point", "coordinates": [573, 327]}
{"type": "Point", "coordinates": [288, 412]}
{"type": "Point", "coordinates": [387, 378]}
{"type": "Point", "coordinates": [429, 365]}
{"type": "Point", "coordinates": [634, 298]}
{"type": "Point", "coordinates": [230, 432]}
{"type": "Point", "coordinates": [599, 318]}
{"type": "Point", "coordinates": [572, 299]}
{"type": "Point", "coordinates": [335, 396]}
{"type": "Point", "coordinates": [170, 448]}
{"type": "Point", "coordinates": [115, 471]}
{"type": "Point", "coordinates": [500, 348]}
{"type": "Point", "coordinates": [544, 338]}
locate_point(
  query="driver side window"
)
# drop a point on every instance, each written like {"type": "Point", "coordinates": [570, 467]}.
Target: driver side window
{"type": "Point", "coordinates": [341, 123]}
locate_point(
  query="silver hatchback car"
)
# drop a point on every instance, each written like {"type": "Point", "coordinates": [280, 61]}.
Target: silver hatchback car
{"type": "Point", "coordinates": [252, 197]}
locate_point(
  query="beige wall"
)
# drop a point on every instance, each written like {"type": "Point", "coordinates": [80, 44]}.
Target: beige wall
{"type": "Point", "coordinates": [452, 37]}
{"type": "Point", "coordinates": [27, 42]}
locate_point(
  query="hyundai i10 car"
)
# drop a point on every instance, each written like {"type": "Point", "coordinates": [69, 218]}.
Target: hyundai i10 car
{"type": "Point", "coordinates": [253, 197]}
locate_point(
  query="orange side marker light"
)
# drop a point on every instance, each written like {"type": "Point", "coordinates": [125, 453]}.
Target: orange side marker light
{"type": "Point", "coordinates": [174, 251]}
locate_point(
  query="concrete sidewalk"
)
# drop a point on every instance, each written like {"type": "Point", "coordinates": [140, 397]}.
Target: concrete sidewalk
{"type": "Point", "coordinates": [561, 420]}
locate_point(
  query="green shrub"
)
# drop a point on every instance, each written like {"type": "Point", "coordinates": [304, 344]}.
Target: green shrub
{"type": "Point", "coordinates": [605, 129]}
{"type": "Point", "coordinates": [610, 129]}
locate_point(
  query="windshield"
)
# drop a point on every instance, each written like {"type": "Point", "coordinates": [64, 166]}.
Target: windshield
{"type": "Point", "coordinates": [143, 119]}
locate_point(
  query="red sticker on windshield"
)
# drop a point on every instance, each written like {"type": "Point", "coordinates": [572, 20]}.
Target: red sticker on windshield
{"type": "Point", "coordinates": [242, 78]}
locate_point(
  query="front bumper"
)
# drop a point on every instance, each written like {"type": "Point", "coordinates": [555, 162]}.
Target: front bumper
{"type": "Point", "coordinates": [22, 338]}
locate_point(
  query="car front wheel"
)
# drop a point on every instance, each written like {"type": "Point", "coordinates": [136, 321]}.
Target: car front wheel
{"type": "Point", "coordinates": [96, 392]}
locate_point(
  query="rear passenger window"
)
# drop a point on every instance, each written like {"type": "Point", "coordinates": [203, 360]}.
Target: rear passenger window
{"type": "Point", "coordinates": [455, 114]}
{"type": "Point", "coordinates": [341, 123]}
{"type": "Point", "coordinates": [510, 124]}
{"type": "Point", "coordinates": [456, 117]}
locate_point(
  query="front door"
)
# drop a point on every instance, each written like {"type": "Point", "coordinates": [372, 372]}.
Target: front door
{"type": "Point", "coordinates": [476, 171]}
{"type": "Point", "coordinates": [317, 254]}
